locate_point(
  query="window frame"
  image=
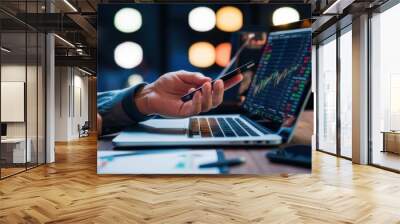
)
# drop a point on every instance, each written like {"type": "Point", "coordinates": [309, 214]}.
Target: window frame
{"type": "Point", "coordinates": [27, 29]}
{"type": "Point", "coordinates": [338, 29]}
{"type": "Point", "coordinates": [381, 9]}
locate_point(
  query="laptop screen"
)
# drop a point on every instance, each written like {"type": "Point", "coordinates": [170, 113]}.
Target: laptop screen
{"type": "Point", "coordinates": [283, 77]}
{"type": "Point", "coordinates": [3, 129]}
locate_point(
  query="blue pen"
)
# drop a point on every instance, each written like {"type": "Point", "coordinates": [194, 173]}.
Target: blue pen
{"type": "Point", "coordinates": [226, 162]}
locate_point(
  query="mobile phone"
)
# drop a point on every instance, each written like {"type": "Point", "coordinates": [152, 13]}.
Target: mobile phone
{"type": "Point", "coordinates": [224, 77]}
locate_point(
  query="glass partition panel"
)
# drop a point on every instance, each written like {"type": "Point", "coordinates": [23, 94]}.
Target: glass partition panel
{"type": "Point", "coordinates": [32, 97]}
{"type": "Point", "coordinates": [327, 95]}
{"type": "Point", "coordinates": [22, 88]}
{"type": "Point", "coordinates": [14, 150]}
{"type": "Point", "coordinates": [32, 84]}
{"type": "Point", "coordinates": [346, 93]}
{"type": "Point", "coordinates": [385, 89]}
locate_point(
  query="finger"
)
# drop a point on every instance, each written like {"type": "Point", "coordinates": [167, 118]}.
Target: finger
{"type": "Point", "coordinates": [186, 109]}
{"type": "Point", "coordinates": [191, 90]}
{"type": "Point", "coordinates": [233, 81]}
{"type": "Point", "coordinates": [218, 93]}
{"type": "Point", "coordinates": [193, 78]}
{"type": "Point", "coordinates": [206, 97]}
{"type": "Point", "coordinates": [191, 107]}
{"type": "Point", "coordinates": [196, 104]}
{"type": "Point", "coordinates": [242, 99]}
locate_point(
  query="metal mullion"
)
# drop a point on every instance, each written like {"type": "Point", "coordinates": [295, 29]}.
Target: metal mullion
{"type": "Point", "coordinates": [386, 5]}
{"type": "Point", "coordinates": [26, 87]}
{"type": "Point", "coordinates": [345, 157]}
{"type": "Point", "coordinates": [370, 92]}
{"type": "Point", "coordinates": [37, 91]}
{"type": "Point", "coordinates": [338, 95]}
{"type": "Point", "coordinates": [333, 154]}
{"type": "Point", "coordinates": [329, 153]}
{"type": "Point", "coordinates": [385, 168]}
{"type": "Point", "coordinates": [0, 96]}
{"type": "Point", "coordinates": [369, 100]}
{"type": "Point", "coordinates": [45, 94]}
{"type": "Point", "coordinates": [13, 174]}
{"type": "Point", "coordinates": [73, 92]}
{"type": "Point", "coordinates": [317, 96]}
{"type": "Point", "coordinates": [45, 88]}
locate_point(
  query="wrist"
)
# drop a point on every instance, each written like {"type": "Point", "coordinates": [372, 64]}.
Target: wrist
{"type": "Point", "coordinates": [142, 100]}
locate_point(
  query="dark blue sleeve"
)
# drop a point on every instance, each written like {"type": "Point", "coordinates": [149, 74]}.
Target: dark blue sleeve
{"type": "Point", "coordinates": [118, 109]}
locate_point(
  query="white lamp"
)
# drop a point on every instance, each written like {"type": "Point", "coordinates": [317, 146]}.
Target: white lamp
{"type": "Point", "coordinates": [134, 79]}
{"type": "Point", "coordinates": [128, 20]}
{"type": "Point", "coordinates": [202, 19]}
{"type": "Point", "coordinates": [285, 15]}
{"type": "Point", "coordinates": [128, 55]}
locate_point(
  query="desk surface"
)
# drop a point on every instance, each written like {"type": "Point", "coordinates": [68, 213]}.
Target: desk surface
{"type": "Point", "coordinates": [256, 162]}
{"type": "Point", "coordinates": [390, 132]}
{"type": "Point", "coordinates": [13, 140]}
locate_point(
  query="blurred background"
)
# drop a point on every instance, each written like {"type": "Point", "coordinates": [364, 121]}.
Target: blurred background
{"type": "Point", "coordinates": [139, 42]}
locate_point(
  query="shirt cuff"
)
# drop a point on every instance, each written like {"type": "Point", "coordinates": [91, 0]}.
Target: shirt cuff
{"type": "Point", "coordinates": [129, 106]}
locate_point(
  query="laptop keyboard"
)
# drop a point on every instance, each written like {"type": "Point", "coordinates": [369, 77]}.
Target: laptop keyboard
{"type": "Point", "coordinates": [219, 127]}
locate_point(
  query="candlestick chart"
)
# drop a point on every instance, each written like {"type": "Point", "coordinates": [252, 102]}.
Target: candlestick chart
{"type": "Point", "coordinates": [282, 76]}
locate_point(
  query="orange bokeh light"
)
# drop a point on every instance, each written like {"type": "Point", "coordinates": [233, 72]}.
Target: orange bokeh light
{"type": "Point", "coordinates": [223, 54]}
{"type": "Point", "coordinates": [202, 54]}
{"type": "Point", "coordinates": [229, 19]}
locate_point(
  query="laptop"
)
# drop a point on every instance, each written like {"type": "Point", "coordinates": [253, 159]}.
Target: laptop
{"type": "Point", "coordinates": [3, 131]}
{"type": "Point", "coordinates": [276, 97]}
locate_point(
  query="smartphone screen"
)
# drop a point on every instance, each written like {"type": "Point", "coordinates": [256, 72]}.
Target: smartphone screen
{"type": "Point", "coordinates": [224, 77]}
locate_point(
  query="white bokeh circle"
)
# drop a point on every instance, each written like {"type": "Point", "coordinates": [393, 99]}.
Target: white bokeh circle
{"type": "Point", "coordinates": [128, 20]}
{"type": "Point", "coordinates": [202, 19]}
{"type": "Point", "coordinates": [134, 79]}
{"type": "Point", "coordinates": [285, 15]}
{"type": "Point", "coordinates": [128, 55]}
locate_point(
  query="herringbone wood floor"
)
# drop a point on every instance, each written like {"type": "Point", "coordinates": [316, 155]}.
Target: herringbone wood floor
{"type": "Point", "coordinates": [69, 191]}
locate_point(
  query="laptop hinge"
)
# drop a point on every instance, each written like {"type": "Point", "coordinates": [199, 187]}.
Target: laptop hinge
{"type": "Point", "coordinates": [261, 128]}
{"type": "Point", "coordinates": [201, 1]}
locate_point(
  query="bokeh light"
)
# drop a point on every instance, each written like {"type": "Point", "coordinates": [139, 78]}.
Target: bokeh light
{"type": "Point", "coordinates": [128, 55]}
{"type": "Point", "coordinates": [128, 20]}
{"type": "Point", "coordinates": [284, 16]}
{"type": "Point", "coordinates": [134, 79]}
{"type": "Point", "coordinates": [202, 54]}
{"type": "Point", "coordinates": [229, 19]}
{"type": "Point", "coordinates": [202, 19]}
{"type": "Point", "coordinates": [223, 54]}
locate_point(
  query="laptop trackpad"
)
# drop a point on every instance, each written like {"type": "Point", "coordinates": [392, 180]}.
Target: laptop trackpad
{"type": "Point", "coordinates": [163, 126]}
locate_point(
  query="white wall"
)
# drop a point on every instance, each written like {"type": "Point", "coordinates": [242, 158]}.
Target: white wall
{"type": "Point", "coordinates": [12, 73]}
{"type": "Point", "coordinates": [71, 94]}
{"type": "Point", "coordinates": [61, 104]}
{"type": "Point", "coordinates": [81, 104]}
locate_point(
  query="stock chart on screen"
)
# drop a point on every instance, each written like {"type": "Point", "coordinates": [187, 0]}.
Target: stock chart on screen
{"type": "Point", "coordinates": [282, 77]}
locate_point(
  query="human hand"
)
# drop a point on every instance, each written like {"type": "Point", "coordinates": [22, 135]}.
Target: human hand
{"type": "Point", "coordinates": [163, 96]}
